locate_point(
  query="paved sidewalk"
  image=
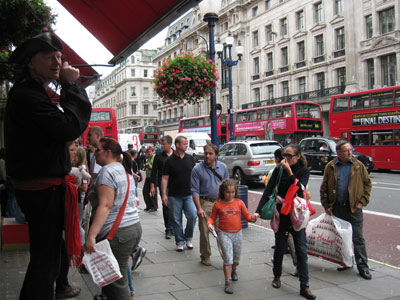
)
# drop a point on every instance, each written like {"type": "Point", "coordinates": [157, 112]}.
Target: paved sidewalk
{"type": "Point", "coordinates": [166, 274]}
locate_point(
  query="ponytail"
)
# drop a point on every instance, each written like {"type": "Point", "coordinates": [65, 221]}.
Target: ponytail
{"type": "Point", "coordinates": [127, 162]}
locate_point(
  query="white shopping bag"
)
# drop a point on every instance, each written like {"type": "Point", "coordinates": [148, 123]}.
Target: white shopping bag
{"type": "Point", "coordinates": [102, 264]}
{"type": "Point", "coordinates": [330, 238]}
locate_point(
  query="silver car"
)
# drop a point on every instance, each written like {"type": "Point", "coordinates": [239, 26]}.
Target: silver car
{"type": "Point", "coordinates": [248, 160]}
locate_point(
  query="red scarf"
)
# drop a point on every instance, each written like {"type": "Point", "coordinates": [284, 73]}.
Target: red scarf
{"type": "Point", "coordinates": [71, 223]}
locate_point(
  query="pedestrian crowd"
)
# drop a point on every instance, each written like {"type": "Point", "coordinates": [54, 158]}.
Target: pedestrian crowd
{"type": "Point", "coordinates": [74, 197]}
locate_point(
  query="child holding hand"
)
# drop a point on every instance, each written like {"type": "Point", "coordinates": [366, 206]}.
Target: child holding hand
{"type": "Point", "coordinates": [229, 209]}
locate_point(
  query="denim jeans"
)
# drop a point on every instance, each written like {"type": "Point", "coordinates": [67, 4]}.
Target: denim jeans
{"type": "Point", "coordinates": [300, 244]}
{"type": "Point", "coordinates": [177, 205]}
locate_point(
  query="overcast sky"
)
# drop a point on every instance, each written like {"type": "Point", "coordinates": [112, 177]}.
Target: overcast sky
{"type": "Point", "coordinates": [84, 43]}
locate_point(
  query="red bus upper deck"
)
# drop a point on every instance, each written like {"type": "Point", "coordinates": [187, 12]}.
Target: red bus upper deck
{"type": "Point", "coordinates": [148, 134]}
{"type": "Point", "coordinates": [370, 120]}
{"type": "Point", "coordinates": [103, 117]}
{"type": "Point", "coordinates": [286, 122]}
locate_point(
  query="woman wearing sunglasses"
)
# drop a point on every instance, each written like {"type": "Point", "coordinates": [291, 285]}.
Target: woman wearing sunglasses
{"type": "Point", "coordinates": [295, 166]}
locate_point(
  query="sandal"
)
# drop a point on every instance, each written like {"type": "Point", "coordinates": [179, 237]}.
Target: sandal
{"type": "Point", "coordinates": [276, 283]}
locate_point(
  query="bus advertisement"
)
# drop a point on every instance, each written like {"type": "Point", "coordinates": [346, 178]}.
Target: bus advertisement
{"type": "Point", "coordinates": [370, 120]}
{"type": "Point", "coordinates": [103, 117]}
{"type": "Point", "coordinates": [286, 123]}
{"type": "Point", "coordinates": [148, 134]}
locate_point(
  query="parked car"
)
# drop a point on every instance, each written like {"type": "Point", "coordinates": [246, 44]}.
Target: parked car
{"type": "Point", "coordinates": [248, 160]}
{"type": "Point", "coordinates": [321, 150]}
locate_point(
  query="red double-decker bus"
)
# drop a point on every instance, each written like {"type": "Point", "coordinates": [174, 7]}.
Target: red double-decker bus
{"type": "Point", "coordinates": [286, 123]}
{"type": "Point", "coordinates": [148, 134]}
{"type": "Point", "coordinates": [103, 117]}
{"type": "Point", "coordinates": [370, 120]}
{"type": "Point", "coordinates": [203, 124]}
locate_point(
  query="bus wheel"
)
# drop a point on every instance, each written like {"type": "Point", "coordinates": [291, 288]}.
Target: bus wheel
{"type": "Point", "coordinates": [239, 177]}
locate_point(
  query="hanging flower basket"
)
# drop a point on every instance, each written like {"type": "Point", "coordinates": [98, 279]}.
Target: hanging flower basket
{"type": "Point", "coordinates": [185, 78]}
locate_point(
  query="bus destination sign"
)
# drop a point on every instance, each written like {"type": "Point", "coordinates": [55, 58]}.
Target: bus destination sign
{"type": "Point", "coordinates": [378, 118]}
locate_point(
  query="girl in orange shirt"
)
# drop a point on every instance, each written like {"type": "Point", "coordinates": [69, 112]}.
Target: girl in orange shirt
{"type": "Point", "coordinates": [228, 209]}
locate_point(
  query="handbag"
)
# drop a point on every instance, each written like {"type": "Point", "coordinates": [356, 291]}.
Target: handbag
{"type": "Point", "coordinates": [267, 210]}
{"type": "Point", "coordinates": [300, 212]}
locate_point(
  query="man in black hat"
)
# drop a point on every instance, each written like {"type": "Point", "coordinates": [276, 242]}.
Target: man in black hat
{"type": "Point", "coordinates": [39, 186]}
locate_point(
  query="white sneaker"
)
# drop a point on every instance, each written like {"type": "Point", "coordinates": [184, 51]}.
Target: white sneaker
{"type": "Point", "coordinates": [179, 248]}
{"type": "Point", "coordinates": [189, 245]}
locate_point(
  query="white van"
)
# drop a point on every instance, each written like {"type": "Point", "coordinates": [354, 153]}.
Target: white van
{"type": "Point", "coordinates": [196, 142]}
{"type": "Point", "coordinates": [127, 139]}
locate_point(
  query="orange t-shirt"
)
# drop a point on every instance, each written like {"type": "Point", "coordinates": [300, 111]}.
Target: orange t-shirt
{"type": "Point", "coordinates": [229, 215]}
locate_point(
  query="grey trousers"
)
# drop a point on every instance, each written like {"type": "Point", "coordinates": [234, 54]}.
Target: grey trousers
{"type": "Point", "coordinates": [124, 243]}
{"type": "Point", "coordinates": [356, 221]}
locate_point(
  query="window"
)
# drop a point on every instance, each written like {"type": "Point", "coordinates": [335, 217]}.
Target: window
{"type": "Point", "coordinates": [155, 112]}
{"type": "Point", "coordinates": [371, 73]}
{"type": "Point", "coordinates": [368, 27]}
{"type": "Point", "coordinates": [285, 88]}
{"type": "Point", "coordinates": [133, 109]}
{"type": "Point", "coordinates": [254, 11]}
{"type": "Point", "coordinates": [301, 56]}
{"type": "Point", "coordinates": [397, 137]}
{"type": "Point", "coordinates": [382, 138]}
{"type": "Point", "coordinates": [270, 62]}
{"type": "Point", "coordinates": [132, 59]}
{"type": "Point", "coordinates": [284, 27]}
{"type": "Point", "coordinates": [257, 95]}
{"type": "Point", "coordinates": [341, 77]}
{"type": "Point", "coordinates": [241, 117]}
{"type": "Point", "coordinates": [302, 85]}
{"type": "Point", "coordinates": [175, 112]}
{"type": "Point", "coordinates": [255, 38]}
{"type": "Point", "coordinates": [300, 20]}
{"type": "Point", "coordinates": [386, 20]}
{"type": "Point", "coordinates": [382, 99]}
{"type": "Point", "coordinates": [285, 60]}
{"type": "Point", "coordinates": [268, 31]}
{"type": "Point", "coordinates": [256, 64]}
{"type": "Point", "coordinates": [287, 111]}
{"type": "Point", "coordinates": [275, 112]}
{"type": "Point", "coordinates": [270, 92]}
{"type": "Point", "coordinates": [133, 72]}
{"type": "Point", "coordinates": [268, 4]}
{"type": "Point", "coordinates": [318, 12]}
{"type": "Point", "coordinates": [145, 73]}
{"type": "Point", "coordinates": [359, 138]}
{"type": "Point", "coordinates": [340, 104]}
{"type": "Point", "coordinates": [181, 112]}
{"type": "Point", "coordinates": [338, 6]}
{"type": "Point", "coordinates": [359, 102]}
{"type": "Point", "coordinates": [340, 43]}
{"type": "Point", "coordinates": [321, 81]}
{"type": "Point", "coordinates": [388, 69]}
{"type": "Point", "coordinates": [133, 91]}
{"type": "Point", "coordinates": [262, 114]}
{"type": "Point", "coordinates": [319, 40]}
{"type": "Point", "coordinates": [145, 91]}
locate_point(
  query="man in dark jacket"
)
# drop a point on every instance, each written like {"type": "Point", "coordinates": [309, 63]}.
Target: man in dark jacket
{"type": "Point", "coordinates": [39, 188]}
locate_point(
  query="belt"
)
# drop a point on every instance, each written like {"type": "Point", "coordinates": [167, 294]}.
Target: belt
{"type": "Point", "coordinates": [208, 199]}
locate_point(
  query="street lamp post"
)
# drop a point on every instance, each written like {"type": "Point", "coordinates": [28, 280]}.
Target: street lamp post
{"type": "Point", "coordinates": [230, 63]}
{"type": "Point", "coordinates": [209, 10]}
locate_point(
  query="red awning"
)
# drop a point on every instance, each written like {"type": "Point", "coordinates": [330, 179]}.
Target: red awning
{"type": "Point", "coordinates": [122, 26]}
{"type": "Point", "coordinates": [87, 74]}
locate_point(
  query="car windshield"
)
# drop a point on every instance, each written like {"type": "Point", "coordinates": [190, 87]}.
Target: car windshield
{"type": "Point", "coordinates": [200, 143]}
{"type": "Point", "coordinates": [264, 148]}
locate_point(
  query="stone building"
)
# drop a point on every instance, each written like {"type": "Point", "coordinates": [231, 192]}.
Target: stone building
{"type": "Point", "coordinates": [129, 90]}
{"type": "Point", "coordinates": [293, 50]}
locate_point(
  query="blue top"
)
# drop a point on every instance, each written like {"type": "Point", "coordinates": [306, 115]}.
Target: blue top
{"type": "Point", "coordinates": [343, 176]}
{"type": "Point", "coordinates": [204, 182]}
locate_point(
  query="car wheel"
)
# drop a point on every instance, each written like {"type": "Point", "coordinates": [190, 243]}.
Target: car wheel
{"type": "Point", "coordinates": [239, 177]}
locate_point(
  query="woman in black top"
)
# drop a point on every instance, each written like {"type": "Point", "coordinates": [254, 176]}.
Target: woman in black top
{"type": "Point", "coordinates": [295, 166]}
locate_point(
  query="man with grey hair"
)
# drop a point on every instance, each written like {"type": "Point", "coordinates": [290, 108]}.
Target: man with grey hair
{"type": "Point", "coordinates": [345, 190]}
{"type": "Point", "coordinates": [95, 134]}
{"type": "Point", "coordinates": [176, 178]}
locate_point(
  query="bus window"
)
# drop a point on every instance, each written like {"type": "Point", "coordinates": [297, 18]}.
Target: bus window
{"type": "Point", "coordinates": [186, 124]}
{"type": "Point", "coordinates": [275, 112]}
{"type": "Point", "coordinates": [382, 138]}
{"type": "Point", "coordinates": [359, 102]}
{"type": "Point", "coordinates": [200, 122]}
{"type": "Point", "coordinates": [223, 119]}
{"type": "Point", "coordinates": [262, 114]}
{"type": "Point", "coordinates": [397, 97]}
{"type": "Point", "coordinates": [207, 121]}
{"type": "Point", "coordinates": [241, 117]}
{"type": "Point", "coordinates": [307, 110]}
{"type": "Point", "coordinates": [287, 111]}
{"type": "Point", "coordinates": [340, 104]}
{"type": "Point", "coordinates": [359, 138]}
{"type": "Point", "coordinates": [193, 123]}
{"type": "Point", "coordinates": [397, 137]}
{"type": "Point", "coordinates": [252, 115]}
{"type": "Point", "coordinates": [383, 99]}
{"type": "Point", "coordinates": [150, 129]}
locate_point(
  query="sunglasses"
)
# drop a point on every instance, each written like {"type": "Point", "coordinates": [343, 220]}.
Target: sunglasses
{"type": "Point", "coordinates": [290, 156]}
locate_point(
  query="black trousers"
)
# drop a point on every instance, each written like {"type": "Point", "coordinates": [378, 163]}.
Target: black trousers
{"type": "Point", "coordinates": [44, 212]}
{"type": "Point", "coordinates": [165, 210]}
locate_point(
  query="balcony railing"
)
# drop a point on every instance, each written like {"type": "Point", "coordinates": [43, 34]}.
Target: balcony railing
{"type": "Point", "coordinates": [339, 53]}
{"type": "Point", "coordinates": [269, 73]}
{"type": "Point", "coordinates": [298, 97]}
{"type": "Point", "coordinates": [255, 77]}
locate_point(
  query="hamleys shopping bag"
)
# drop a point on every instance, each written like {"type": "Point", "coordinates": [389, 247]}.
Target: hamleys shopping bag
{"type": "Point", "coordinates": [330, 238]}
{"type": "Point", "coordinates": [102, 264]}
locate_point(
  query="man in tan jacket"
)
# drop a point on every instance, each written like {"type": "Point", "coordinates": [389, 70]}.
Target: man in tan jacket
{"type": "Point", "coordinates": [345, 190]}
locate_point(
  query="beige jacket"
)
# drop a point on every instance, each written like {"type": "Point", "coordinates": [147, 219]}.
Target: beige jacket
{"type": "Point", "coordinates": [359, 185]}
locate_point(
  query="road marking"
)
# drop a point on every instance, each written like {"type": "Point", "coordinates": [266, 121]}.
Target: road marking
{"type": "Point", "coordinates": [364, 210]}
{"type": "Point", "coordinates": [377, 182]}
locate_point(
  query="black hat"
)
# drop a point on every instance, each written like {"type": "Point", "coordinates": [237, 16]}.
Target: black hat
{"type": "Point", "coordinates": [42, 42]}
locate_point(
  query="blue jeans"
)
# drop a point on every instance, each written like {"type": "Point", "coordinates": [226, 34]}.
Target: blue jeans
{"type": "Point", "coordinates": [176, 206]}
{"type": "Point", "coordinates": [300, 244]}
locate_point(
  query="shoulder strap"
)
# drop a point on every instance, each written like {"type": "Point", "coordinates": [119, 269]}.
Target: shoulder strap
{"type": "Point", "coordinates": [115, 226]}
{"type": "Point", "coordinates": [279, 177]}
{"type": "Point", "coordinates": [216, 174]}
